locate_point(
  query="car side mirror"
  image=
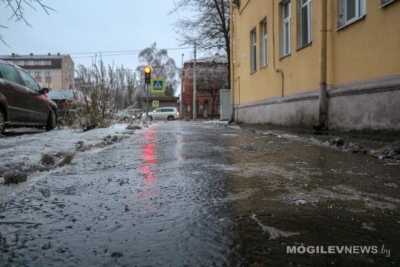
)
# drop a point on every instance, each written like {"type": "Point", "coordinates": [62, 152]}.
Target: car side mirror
{"type": "Point", "coordinates": [44, 90]}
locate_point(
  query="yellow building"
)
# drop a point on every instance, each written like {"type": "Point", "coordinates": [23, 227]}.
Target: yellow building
{"type": "Point", "coordinates": [333, 63]}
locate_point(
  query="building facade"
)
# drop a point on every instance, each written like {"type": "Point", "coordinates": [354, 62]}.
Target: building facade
{"type": "Point", "coordinates": [55, 72]}
{"type": "Point", "coordinates": [211, 77]}
{"type": "Point", "coordinates": [324, 63]}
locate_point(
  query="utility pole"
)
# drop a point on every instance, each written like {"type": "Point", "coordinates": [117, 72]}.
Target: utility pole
{"type": "Point", "coordinates": [194, 83]}
{"type": "Point", "coordinates": [180, 108]}
{"type": "Point", "coordinates": [147, 101]}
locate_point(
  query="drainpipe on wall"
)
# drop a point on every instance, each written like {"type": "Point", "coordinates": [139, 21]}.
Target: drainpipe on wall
{"type": "Point", "coordinates": [273, 50]}
{"type": "Point", "coordinates": [232, 55]}
{"type": "Point", "coordinates": [323, 101]}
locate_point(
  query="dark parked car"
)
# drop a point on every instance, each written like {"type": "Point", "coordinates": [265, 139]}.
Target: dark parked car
{"type": "Point", "coordinates": [23, 103]}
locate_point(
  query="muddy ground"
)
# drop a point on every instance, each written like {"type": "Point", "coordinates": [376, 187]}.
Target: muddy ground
{"type": "Point", "coordinates": [198, 194]}
{"type": "Point", "coordinates": [302, 194]}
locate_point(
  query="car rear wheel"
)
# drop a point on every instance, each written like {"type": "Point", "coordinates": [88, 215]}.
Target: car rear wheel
{"type": "Point", "coordinates": [126, 119]}
{"type": "Point", "coordinates": [2, 121]}
{"type": "Point", "coordinates": [51, 121]}
{"type": "Point", "coordinates": [170, 118]}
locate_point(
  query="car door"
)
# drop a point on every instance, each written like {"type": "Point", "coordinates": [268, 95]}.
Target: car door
{"type": "Point", "coordinates": [162, 114]}
{"type": "Point", "coordinates": [39, 108]}
{"type": "Point", "coordinates": [16, 94]}
{"type": "Point", "coordinates": [156, 113]}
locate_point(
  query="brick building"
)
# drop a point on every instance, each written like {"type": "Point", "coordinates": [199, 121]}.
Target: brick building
{"type": "Point", "coordinates": [211, 76]}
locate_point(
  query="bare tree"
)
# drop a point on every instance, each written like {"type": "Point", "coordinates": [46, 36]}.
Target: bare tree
{"type": "Point", "coordinates": [209, 28]}
{"type": "Point", "coordinates": [110, 88]}
{"type": "Point", "coordinates": [212, 76]}
{"type": "Point", "coordinates": [169, 90]}
{"type": "Point", "coordinates": [18, 11]}
{"type": "Point", "coordinates": [152, 56]}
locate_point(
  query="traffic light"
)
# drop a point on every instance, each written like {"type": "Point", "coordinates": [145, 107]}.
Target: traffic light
{"type": "Point", "coordinates": [147, 75]}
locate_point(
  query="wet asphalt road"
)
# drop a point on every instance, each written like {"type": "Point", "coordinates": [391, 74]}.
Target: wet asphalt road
{"type": "Point", "coordinates": [193, 194]}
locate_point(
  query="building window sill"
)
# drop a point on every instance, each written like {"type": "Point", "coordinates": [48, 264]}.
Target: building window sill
{"type": "Point", "coordinates": [350, 23]}
{"type": "Point", "coordinates": [386, 4]}
{"type": "Point", "coordinates": [304, 46]}
{"type": "Point", "coordinates": [285, 56]}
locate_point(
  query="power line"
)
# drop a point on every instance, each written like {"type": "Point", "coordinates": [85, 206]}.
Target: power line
{"type": "Point", "coordinates": [126, 51]}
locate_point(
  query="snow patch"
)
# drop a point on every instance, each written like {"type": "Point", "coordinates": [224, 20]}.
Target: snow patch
{"type": "Point", "coordinates": [273, 232]}
{"type": "Point", "coordinates": [25, 150]}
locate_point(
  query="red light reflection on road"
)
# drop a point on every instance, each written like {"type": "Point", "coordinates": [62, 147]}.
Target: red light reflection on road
{"type": "Point", "coordinates": [149, 159]}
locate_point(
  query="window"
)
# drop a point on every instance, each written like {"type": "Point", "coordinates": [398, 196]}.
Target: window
{"type": "Point", "coordinates": [253, 52]}
{"type": "Point", "coordinates": [38, 74]}
{"type": "Point", "coordinates": [26, 62]}
{"type": "Point", "coordinates": [47, 63]}
{"type": "Point", "coordinates": [264, 44]}
{"type": "Point", "coordinates": [29, 81]}
{"type": "Point", "coordinates": [350, 11]}
{"type": "Point", "coordinates": [47, 74]}
{"type": "Point", "coordinates": [10, 73]}
{"type": "Point", "coordinates": [285, 11]}
{"type": "Point", "coordinates": [36, 63]}
{"type": "Point", "coordinates": [304, 22]}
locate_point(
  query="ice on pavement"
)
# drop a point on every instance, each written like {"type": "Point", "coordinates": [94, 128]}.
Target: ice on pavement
{"type": "Point", "coordinates": [28, 148]}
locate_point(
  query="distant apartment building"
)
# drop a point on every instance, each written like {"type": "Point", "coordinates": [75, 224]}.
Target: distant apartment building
{"type": "Point", "coordinates": [54, 71]}
{"type": "Point", "coordinates": [325, 63]}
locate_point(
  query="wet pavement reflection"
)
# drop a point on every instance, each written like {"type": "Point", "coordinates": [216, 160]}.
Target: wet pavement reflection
{"type": "Point", "coordinates": [195, 194]}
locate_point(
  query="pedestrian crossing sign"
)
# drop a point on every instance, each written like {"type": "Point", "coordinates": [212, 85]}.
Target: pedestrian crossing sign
{"type": "Point", "coordinates": [157, 85]}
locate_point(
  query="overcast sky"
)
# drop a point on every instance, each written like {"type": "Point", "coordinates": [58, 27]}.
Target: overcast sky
{"type": "Point", "coordinates": [84, 28]}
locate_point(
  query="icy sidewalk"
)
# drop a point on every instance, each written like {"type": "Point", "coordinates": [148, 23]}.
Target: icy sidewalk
{"type": "Point", "coordinates": [25, 151]}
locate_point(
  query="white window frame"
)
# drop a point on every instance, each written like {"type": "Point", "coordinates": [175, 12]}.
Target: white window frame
{"type": "Point", "coordinates": [304, 26]}
{"type": "Point", "coordinates": [360, 12]}
{"type": "Point", "coordinates": [286, 28]}
{"type": "Point", "coordinates": [47, 74]}
{"type": "Point", "coordinates": [253, 50]}
{"type": "Point", "coordinates": [38, 74]}
{"type": "Point", "coordinates": [386, 2]}
{"type": "Point", "coordinates": [264, 43]}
